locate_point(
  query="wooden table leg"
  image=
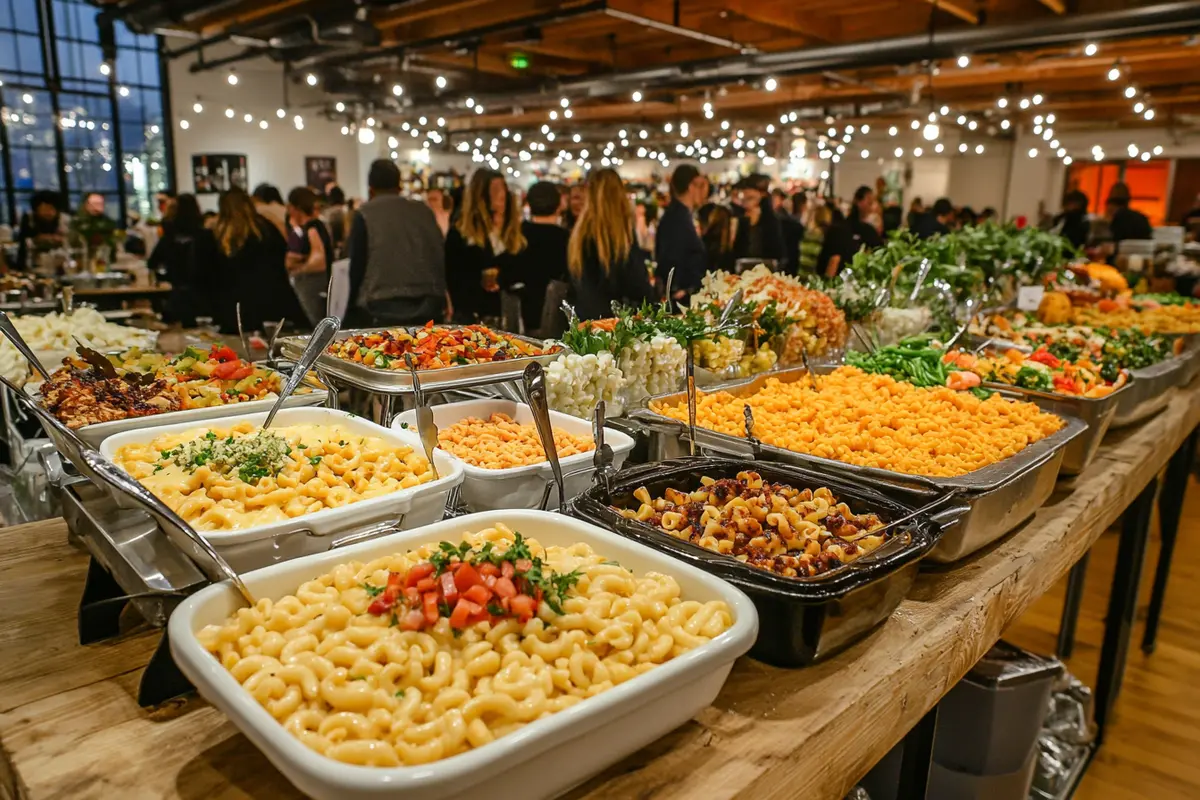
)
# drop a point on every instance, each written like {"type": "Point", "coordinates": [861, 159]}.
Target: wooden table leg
{"type": "Point", "coordinates": [1170, 507]}
{"type": "Point", "coordinates": [1122, 604]}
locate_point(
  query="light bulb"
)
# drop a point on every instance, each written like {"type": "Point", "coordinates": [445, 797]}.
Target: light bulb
{"type": "Point", "coordinates": [979, 149]}
{"type": "Point", "coordinates": [667, 128]}
{"type": "Point", "coordinates": [1090, 49]}
{"type": "Point", "coordinates": [962, 119]}
{"type": "Point", "coordinates": [637, 96]}
{"type": "Point", "coordinates": [370, 122]}
{"type": "Point", "coordinates": [1139, 107]}
{"type": "Point", "coordinates": [1060, 151]}
{"type": "Point", "coordinates": [440, 81]}
{"type": "Point", "coordinates": [197, 107]}
{"type": "Point", "coordinates": [1037, 99]}
{"type": "Point", "coordinates": [964, 60]}
{"type": "Point", "coordinates": [972, 125]}
{"type": "Point", "coordinates": [233, 78]}
{"type": "Point", "coordinates": [1149, 113]}
{"type": "Point", "coordinates": [366, 135]}
{"type": "Point", "coordinates": [944, 110]}
{"type": "Point", "coordinates": [423, 120]}
{"type": "Point", "coordinates": [105, 69]}
{"type": "Point", "coordinates": [248, 117]}
{"type": "Point", "coordinates": [262, 123]}
{"type": "Point", "coordinates": [771, 84]}
{"type": "Point", "coordinates": [1024, 102]}
{"type": "Point", "coordinates": [865, 129]}
{"type": "Point", "coordinates": [917, 152]}
{"type": "Point", "coordinates": [469, 102]}
{"type": "Point", "coordinates": [892, 131]}
{"type": "Point", "coordinates": [1158, 150]}
{"type": "Point", "coordinates": [1130, 92]}
{"type": "Point", "coordinates": [1002, 102]}
{"type": "Point", "coordinates": [340, 107]}
{"type": "Point", "coordinates": [310, 79]}
{"type": "Point", "coordinates": [939, 147]}
{"type": "Point", "coordinates": [229, 113]}
{"type": "Point", "coordinates": [916, 124]}
{"type": "Point", "coordinates": [1146, 156]}
{"type": "Point", "coordinates": [930, 132]}
{"type": "Point", "coordinates": [1114, 73]}
{"type": "Point", "coordinates": [279, 112]}
{"type": "Point", "coordinates": [1005, 124]}
{"type": "Point", "coordinates": [1050, 119]}
{"type": "Point", "coordinates": [123, 91]}
{"type": "Point", "coordinates": [183, 123]}
{"type": "Point", "coordinates": [962, 147]}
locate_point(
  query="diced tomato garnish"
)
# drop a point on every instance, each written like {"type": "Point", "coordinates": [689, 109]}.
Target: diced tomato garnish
{"type": "Point", "coordinates": [1044, 356]}
{"type": "Point", "coordinates": [227, 369]}
{"type": "Point", "coordinates": [244, 371]}
{"type": "Point", "coordinates": [487, 569]}
{"type": "Point", "coordinates": [412, 596]}
{"type": "Point", "coordinates": [412, 621]}
{"type": "Point", "coordinates": [490, 581]}
{"type": "Point", "coordinates": [449, 590]}
{"type": "Point", "coordinates": [429, 605]}
{"type": "Point", "coordinates": [462, 611]}
{"type": "Point", "coordinates": [422, 570]}
{"type": "Point", "coordinates": [466, 577]}
{"type": "Point", "coordinates": [507, 570]}
{"type": "Point", "coordinates": [478, 594]}
{"type": "Point", "coordinates": [523, 606]}
{"type": "Point", "coordinates": [522, 565]}
{"type": "Point", "coordinates": [379, 606]}
{"type": "Point", "coordinates": [222, 353]}
{"type": "Point", "coordinates": [426, 585]}
{"type": "Point", "coordinates": [505, 588]}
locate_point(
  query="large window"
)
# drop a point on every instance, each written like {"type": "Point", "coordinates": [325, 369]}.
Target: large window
{"type": "Point", "coordinates": [71, 121]}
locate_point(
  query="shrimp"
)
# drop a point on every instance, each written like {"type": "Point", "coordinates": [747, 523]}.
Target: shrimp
{"type": "Point", "coordinates": [962, 380]}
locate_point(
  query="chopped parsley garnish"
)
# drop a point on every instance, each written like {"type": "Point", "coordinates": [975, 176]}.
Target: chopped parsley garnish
{"type": "Point", "coordinates": [400, 693]}
{"type": "Point", "coordinates": [404, 425]}
{"type": "Point", "coordinates": [314, 460]}
{"type": "Point", "coordinates": [372, 591]}
{"type": "Point", "coordinates": [250, 457]}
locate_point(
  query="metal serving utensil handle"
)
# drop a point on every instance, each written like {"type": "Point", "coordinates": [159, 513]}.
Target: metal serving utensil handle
{"type": "Point", "coordinates": [426, 427]}
{"type": "Point", "coordinates": [862, 337]}
{"type": "Point", "coordinates": [603, 457]}
{"type": "Point", "coordinates": [13, 335]}
{"type": "Point", "coordinates": [690, 366]}
{"type": "Point", "coordinates": [68, 299]}
{"type": "Point", "coordinates": [755, 444]}
{"type": "Point", "coordinates": [126, 483]}
{"type": "Point", "coordinates": [812, 376]}
{"type": "Point", "coordinates": [668, 284]}
{"type": "Point", "coordinates": [242, 332]}
{"type": "Point", "coordinates": [320, 339]}
{"type": "Point", "coordinates": [534, 380]}
{"type": "Point", "coordinates": [274, 336]}
{"type": "Point", "coordinates": [941, 500]}
{"type": "Point", "coordinates": [728, 310]}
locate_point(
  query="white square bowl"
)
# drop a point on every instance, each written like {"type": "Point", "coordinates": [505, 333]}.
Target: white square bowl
{"type": "Point", "coordinates": [520, 487]}
{"type": "Point", "coordinates": [260, 545]}
{"type": "Point", "coordinates": [542, 759]}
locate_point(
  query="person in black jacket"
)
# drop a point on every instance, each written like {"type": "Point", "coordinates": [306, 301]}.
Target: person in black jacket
{"type": "Point", "coordinates": [1123, 221]}
{"type": "Point", "coordinates": [487, 231]}
{"type": "Point", "coordinates": [678, 245]}
{"type": "Point", "coordinates": [544, 258]}
{"type": "Point", "coordinates": [603, 258]}
{"type": "Point", "coordinates": [249, 268]}
{"type": "Point", "coordinates": [175, 258]}
{"type": "Point", "coordinates": [937, 220]}
{"type": "Point", "coordinates": [864, 233]}
{"type": "Point", "coordinates": [1073, 223]}
{"type": "Point", "coordinates": [758, 231]}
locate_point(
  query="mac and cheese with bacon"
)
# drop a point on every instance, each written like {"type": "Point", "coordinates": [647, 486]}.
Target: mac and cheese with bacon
{"type": "Point", "coordinates": [223, 479]}
{"type": "Point", "coordinates": [499, 442]}
{"type": "Point", "coordinates": [370, 688]}
{"type": "Point", "coordinates": [772, 526]}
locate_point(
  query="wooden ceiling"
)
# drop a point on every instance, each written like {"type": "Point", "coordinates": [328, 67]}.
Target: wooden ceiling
{"type": "Point", "coordinates": [472, 44]}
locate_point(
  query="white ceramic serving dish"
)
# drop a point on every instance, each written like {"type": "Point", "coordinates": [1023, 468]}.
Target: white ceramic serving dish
{"type": "Point", "coordinates": [543, 759]}
{"type": "Point", "coordinates": [260, 545]}
{"type": "Point", "coordinates": [520, 487]}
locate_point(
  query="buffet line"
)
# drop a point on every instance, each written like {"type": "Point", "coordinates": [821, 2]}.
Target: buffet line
{"type": "Point", "coordinates": [394, 602]}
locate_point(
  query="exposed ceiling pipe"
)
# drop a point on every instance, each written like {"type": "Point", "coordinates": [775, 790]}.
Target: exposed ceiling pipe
{"type": "Point", "coordinates": [544, 18]}
{"type": "Point", "coordinates": [1158, 20]}
{"type": "Point", "coordinates": [687, 33]}
{"type": "Point", "coordinates": [143, 16]}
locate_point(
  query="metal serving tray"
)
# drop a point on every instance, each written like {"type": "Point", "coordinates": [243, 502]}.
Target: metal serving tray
{"type": "Point", "coordinates": [1152, 389]}
{"type": "Point", "coordinates": [801, 620]}
{"type": "Point", "coordinates": [1001, 495]}
{"type": "Point", "coordinates": [399, 381]}
{"type": "Point", "coordinates": [1097, 412]}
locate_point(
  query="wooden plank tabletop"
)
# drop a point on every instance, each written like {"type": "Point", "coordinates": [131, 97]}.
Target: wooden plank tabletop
{"type": "Point", "coordinates": [70, 726]}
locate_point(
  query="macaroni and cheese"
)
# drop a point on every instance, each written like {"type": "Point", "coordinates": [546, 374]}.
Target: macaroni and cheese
{"type": "Point", "coordinates": [367, 688]}
{"type": "Point", "coordinates": [222, 479]}
{"type": "Point", "coordinates": [772, 526]}
{"type": "Point", "coordinates": [877, 421]}
{"type": "Point", "coordinates": [500, 442]}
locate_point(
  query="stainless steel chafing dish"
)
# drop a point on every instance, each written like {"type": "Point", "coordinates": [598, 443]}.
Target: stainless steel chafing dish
{"type": "Point", "coordinates": [1000, 495]}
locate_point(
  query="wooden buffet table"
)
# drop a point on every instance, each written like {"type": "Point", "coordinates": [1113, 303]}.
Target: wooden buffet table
{"type": "Point", "coordinates": [70, 725]}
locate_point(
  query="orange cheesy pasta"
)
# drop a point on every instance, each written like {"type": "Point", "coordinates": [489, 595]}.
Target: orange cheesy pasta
{"type": "Point", "coordinates": [877, 421]}
{"type": "Point", "coordinates": [500, 442]}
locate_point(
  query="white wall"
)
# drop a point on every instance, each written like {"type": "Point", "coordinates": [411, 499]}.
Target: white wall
{"type": "Point", "coordinates": [275, 155]}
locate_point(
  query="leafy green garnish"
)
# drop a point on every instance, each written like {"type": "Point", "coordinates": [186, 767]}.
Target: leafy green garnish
{"type": "Point", "coordinates": [315, 460]}
{"type": "Point", "coordinates": [400, 693]}
{"type": "Point", "coordinates": [372, 590]}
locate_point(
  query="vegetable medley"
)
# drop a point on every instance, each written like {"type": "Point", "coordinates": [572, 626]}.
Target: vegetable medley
{"type": "Point", "coordinates": [433, 347]}
{"type": "Point", "coordinates": [1067, 372]}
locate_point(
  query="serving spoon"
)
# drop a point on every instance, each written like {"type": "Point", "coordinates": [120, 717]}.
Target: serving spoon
{"type": "Point", "coordinates": [321, 337]}
{"type": "Point", "coordinates": [426, 427]}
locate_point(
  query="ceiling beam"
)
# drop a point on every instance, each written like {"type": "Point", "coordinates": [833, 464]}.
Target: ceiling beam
{"type": "Point", "coordinates": [637, 12]}
{"type": "Point", "coordinates": [570, 51]}
{"type": "Point", "coordinates": [788, 18]}
{"type": "Point", "coordinates": [952, 7]}
{"type": "Point", "coordinates": [1057, 6]}
{"type": "Point", "coordinates": [422, 9]}
{"type": "Point", "coordinates": [490, 16]}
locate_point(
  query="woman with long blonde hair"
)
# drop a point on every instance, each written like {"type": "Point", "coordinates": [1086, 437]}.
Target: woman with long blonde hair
{"type": "Point", "coordinates": [603, 257]}
{"type": "Point", "coordinates": [249, 266]}
{"type": "Point", "coordinates": [487, 233]}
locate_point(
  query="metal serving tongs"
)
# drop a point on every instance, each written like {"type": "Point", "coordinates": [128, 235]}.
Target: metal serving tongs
{"type": "Point", "coordinates": [67, 299]}
{"type": "Point", "coordinates": [321, 337]}
{"type": "Point", "coordinates": [812, 376]}
{"type": "Point", "coordinates": [13, 335]}
{"type": "Point", "coordinates": [941, 500]}
{"type": "Point", "coordinates": [426, 427]}
{"type": "Point", "coordinates": [127, 484]}
{"type": "Point", "coordinates": [973, 304]}
{"type": "Point", "coordinates": [754, 441]}
{"type": "Point", "coordinates": [534, 381]}
{"type": "Point", "coordinates": [602, 459]}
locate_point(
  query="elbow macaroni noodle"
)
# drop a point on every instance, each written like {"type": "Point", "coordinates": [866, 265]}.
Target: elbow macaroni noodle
{"type": "Point", "coordinates": [329, 466]}
{"type": "Point", "coordinates": [499, 442]}
{"type": "Point", "coordinates": [355, 688]}
{"type": "Point", "coordinates": [877, 421]}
